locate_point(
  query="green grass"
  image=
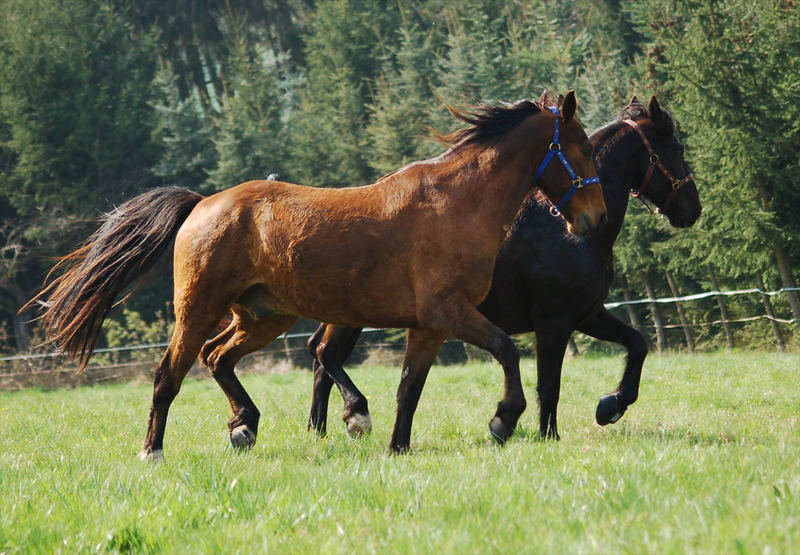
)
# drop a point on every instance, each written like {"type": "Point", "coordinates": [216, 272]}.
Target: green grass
{"type": "Point", "coordinates": [707, 461]}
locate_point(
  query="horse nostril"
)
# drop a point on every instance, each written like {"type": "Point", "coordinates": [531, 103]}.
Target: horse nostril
{"type": "Point", "coordinates": [603, 221]}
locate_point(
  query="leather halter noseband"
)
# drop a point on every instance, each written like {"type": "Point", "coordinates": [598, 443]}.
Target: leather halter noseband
{"type": "Point", "coordinates": [556, 152]}
{"type": "Point", "coordinates": [655, 162]}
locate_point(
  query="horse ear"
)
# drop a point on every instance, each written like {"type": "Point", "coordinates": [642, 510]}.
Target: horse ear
{"type": "Point", "coordinates": [654, 111]}
{"type": "Point", "coordinates": [634, 101]}
{"type": "Point", "coordinates": [569, 106]}
{"type": "Point", "coordinates": [544, 98]}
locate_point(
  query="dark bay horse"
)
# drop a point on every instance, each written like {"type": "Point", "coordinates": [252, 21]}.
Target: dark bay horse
{"type": "Point", "coordinates": [548, 282]}
{"type": "Point", "coordinates": [416, 250]}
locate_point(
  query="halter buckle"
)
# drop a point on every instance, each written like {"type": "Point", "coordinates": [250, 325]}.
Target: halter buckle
{"type": "Point", "coordinates": [677, 184]}
{"type": "Point", "coordinates": [577, 183]}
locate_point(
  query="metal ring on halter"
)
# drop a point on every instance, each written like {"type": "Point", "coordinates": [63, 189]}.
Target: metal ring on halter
{"type": "Point", "coordinates": [677, 184]}
{"type": "Point", "coordinates": [654, 159]}
{"type": "Point", "coordinates": [554, 211]}
{"type": "Point", "coordinates": [555, 147]}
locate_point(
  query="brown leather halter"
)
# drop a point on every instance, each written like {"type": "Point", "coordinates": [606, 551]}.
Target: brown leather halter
{"type": "Point", "coordinates": [655, 162]}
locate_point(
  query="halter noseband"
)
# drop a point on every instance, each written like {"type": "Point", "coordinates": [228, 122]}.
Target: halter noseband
{"type": "Point", "coordinates": [555, 151]}
{"type": "Point", "coordinates": [655, 162]}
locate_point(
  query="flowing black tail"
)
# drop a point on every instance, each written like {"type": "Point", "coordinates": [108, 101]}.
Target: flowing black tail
{"type": "Point", "coordinates": [129, 242]}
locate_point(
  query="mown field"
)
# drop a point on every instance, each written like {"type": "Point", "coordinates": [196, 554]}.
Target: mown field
{"type": "Point", "coordinates": [707, 461]}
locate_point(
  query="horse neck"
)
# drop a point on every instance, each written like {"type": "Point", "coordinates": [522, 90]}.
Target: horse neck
{"type": "Point", "coordinates": [495, 182]}
{"type": "Point", "coordinates": [615, 159]}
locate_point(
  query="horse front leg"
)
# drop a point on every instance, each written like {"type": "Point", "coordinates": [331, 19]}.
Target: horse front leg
{"type": "Point", "coordinates": [551, 344]}
{"type": "Point", "coordinates": [331, 349]}
{"type": "Point", "coordinates": [467, 324]}
{"type": "Point", "coordinates": [422, 346]}
{"type": "Point", "coordinates": [605, 326]}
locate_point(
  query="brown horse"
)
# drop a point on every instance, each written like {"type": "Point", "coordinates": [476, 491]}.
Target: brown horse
{"type": "Point", "coordinates": [416, 250]}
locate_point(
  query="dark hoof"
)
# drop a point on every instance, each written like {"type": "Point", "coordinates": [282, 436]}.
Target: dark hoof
{"type": "Point", "coordinates": [500, 432]}
{"type": "Point", "coordinates": [609, 410]}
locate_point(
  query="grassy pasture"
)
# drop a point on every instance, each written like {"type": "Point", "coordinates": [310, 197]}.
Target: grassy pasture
{"type": "Point", "coordinates": [707, 461]}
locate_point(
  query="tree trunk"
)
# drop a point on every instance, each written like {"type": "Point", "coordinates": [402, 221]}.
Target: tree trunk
{"type": "Point", "coordinates": [787, 280]}
{"type": "Point", "coordinates": [771, 315]}
{"type": "Point", "coordinates": [636, 322]}
{"type": "Point", "coordinates": [723, 311]}
{"type": "Point", "coordinates": [785, 269]}
{"type": "Point", "coordinates": [687, 332]}
{"type": "Point", "coordinates": [661, 335]}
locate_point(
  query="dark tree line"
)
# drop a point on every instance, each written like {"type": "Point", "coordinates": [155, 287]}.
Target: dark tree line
{"type": "Point", "coordinates": [102, 100]}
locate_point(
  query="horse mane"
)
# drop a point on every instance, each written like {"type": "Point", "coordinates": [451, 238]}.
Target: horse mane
{"type": "Point", "coordinates": [487, 123]}
{"type": "Point", "coordinates": [635, 111]}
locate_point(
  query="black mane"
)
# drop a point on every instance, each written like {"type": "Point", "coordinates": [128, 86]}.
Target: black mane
{"type": "Point", "coordinates": [489, 123]}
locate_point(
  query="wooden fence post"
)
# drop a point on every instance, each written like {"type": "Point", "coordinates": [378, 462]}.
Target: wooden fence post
{"type": "Point", "coordinates": [687, 332]}
{"type": "Point", "coordinates": [723, 311]}
{"type": "Point", "coordinates": [770, 314]}
{"type": "Point", "coordinates": [661, 336]}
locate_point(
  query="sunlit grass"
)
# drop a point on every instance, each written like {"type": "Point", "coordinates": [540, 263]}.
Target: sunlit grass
{"type": "Point", "coordinates": [706, 461]}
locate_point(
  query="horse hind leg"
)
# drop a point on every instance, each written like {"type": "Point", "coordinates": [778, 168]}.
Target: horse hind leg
{"type": "Point", "coordinates": [318, 416]}
{"type": "Point", "coordinates": [182, 351]}
{"type": "Point", "coordinates": [331, 351]}
{"type": "Point", "coordinates": [244, 335]}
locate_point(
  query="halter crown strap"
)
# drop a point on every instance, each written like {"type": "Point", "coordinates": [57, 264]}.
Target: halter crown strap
{"type": "Point", "coordinates": [555, 152]}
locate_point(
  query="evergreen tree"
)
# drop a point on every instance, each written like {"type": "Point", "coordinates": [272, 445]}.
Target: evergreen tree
{"type": "Point", "coordinates": [186, 136]}
{"type": "Point", "coordinates": [76, 100]}
{"type": "Point", "coordinates": [732, 70]}
{"type": "Point", "coordinates": [401, 112]}
{"type": "Point", "coordinates": [75, 106]}
{"type": "Point", "coordinates": [344, 53]}
{"type": "Point", "coordinates": [250, 137]}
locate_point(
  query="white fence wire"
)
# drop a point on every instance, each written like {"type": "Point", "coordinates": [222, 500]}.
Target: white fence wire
{"type": "Point", "coordinates": [610, 305]}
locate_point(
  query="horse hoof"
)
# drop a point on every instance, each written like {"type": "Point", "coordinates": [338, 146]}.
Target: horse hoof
{"type": "Point", "coordinates": [242, 438]}
{"type": "Point", "coordinates": [152, 457]}
{"type": "Point", "coordinates": [359, 424]}
{"type": "Point", "coordinates": [499, 431]}
{"type": "Point", "coordinates": [609, 410]}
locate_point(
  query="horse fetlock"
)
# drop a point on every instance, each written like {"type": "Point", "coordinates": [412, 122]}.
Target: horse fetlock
{"type": "Point", "coordinates": [358, 424]}
{"type": "Point", "coordinates": [151, 456]}
{"type": "Point", "coordinates": [242, 438]}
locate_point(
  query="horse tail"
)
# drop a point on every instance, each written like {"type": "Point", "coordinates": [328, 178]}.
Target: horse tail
{"type": "Point", "coordinates": [127, 245]}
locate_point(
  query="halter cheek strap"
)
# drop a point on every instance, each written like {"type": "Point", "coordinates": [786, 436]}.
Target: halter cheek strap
{"type": "Point", "coordinates": [655, 162]}
{"type": "Point", "coordinates": [555, 152]}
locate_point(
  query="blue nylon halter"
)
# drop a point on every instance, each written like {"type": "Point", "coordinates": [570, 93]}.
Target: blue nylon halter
{"type": "Point", "coordinates": [555, 151]}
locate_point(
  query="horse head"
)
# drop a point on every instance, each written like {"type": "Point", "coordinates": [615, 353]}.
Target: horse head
{"type": "Point", "coordinates": [571, 184]}
{"type": "Point", "coordinates": [666, 179]}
